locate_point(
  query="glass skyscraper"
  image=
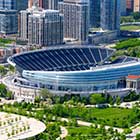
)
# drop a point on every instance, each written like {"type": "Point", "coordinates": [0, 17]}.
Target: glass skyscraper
{"type": "Point", "coordinates": [21, 4]}
{"type": "Point", "coordinates": [8, 17]}
{"type": "Point", "coordinates": [8, 21]}
{"type": "Point", "coordinates": [105, 14]}
{"type": "Point", "coordinates": [8, 4]}
{"type": "Point", "coordinates": [110, 14]}
{"type": "Point", "coordinates": [94, 13]}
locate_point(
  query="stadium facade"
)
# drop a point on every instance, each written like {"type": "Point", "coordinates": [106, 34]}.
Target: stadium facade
{"type": "Point", "coordinates": [75, 70]}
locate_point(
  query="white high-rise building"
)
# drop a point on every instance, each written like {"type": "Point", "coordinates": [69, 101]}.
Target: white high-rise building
{"type": "Point", "coordinates": [76, 19]}
{"type": "Point", "coordinates": [41, 27]}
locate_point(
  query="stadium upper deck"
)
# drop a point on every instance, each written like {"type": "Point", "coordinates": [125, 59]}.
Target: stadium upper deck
{"type": "Point", "coordinates": [63, 59]}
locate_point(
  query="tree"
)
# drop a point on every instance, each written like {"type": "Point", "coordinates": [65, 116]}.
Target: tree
{"type": "Point", "coordinates": [118, 100]}
{"type": "Point", "coordinates": [136, 15]}
{"type": "Point", "coordinates": [49, 101]}
{"type": "Point", "coordinates": [9, 95]}
{"type": "Point", "coordinates": [97, 99]}
{"type": "Point", "coordinates": [45, 93]}
{"type": "Point", "coordinates": [138, 136]}
{"type": "Point", "coordinates": [127, 131]}
{"type": "Point", "coordinates": [129, 43]}
{"type": "Point", "coordinates": [111, 100]}
{"type": "Point", "coordinates": [131, 97]}
{"type": "Point", "coordinates": [2, 70]}
{"type": "Point", "coordinates": [123, 137]}
{"type": "Point", "coordinates": [37, 99]}
{"type": "Point", "coordinates": [3, 90]}
{"type": "Point", "coordinates": [56, 99]}
{"type": "Point", "coordinates": [11, 68]}
{"type": "Point", "coordinates": [8, 134]}
{"type": "Point", "coordinates": [73, 122]}
{"type": "Point", "coordinates": [125, 19]}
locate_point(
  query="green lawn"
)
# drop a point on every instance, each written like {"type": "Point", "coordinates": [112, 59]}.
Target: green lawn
{"type": "Point", "coordinates": [129, 43]}
{"type": "Point", "coordinates": [110, 113]}
{"type": "Point", "coordinates": [4, 41]}
{"type": "Point", "coordinates": [117, 117]}
{"type": "Point", "coordinates": [109, 116]}
{"type": "Point", "coordinates": [76, 133]}
{"type": "Point", "coordinates": [90, 133]}
{"type": "Point", "coordinates": [130, 27]}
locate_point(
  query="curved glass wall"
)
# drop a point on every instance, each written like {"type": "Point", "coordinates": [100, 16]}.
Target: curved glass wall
{"type": "Point", "coordinates": [90, 80]}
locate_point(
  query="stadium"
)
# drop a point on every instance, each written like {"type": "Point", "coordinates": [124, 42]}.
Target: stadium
{"type": "Point", "coordinates": [73, 69]}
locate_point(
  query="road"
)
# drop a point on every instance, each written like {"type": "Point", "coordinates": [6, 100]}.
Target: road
{"type": "Point", "coordinates": [132, 136]}
{"type": "Point", "coordinates": [129, 105]}
{"type": "Point", "coordinates": [4, 101]}
{"type": "Point", "coordinates": [64, 132]}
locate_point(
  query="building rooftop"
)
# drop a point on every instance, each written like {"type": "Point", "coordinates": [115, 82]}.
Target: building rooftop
{"type": "Point", "coordinates": [133, 76]}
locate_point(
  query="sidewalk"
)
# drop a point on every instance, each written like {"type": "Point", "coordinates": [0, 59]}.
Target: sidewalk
{"type": "Point", "coordinates": [83, 123]}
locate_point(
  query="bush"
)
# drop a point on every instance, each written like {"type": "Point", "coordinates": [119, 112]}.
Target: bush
{"type": "Point", "coordinates": [96, 98]}
{"type": "Point", "coordinates": [128, 43]}
{"type": "Point", "coordinates": [138, 136]}
{"type": "Point", "coordinates": [127, 131]}
{"type": "Point", "coordinates": [131, 97]}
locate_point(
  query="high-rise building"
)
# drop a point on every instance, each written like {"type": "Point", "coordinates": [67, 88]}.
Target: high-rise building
{"type": "Point", "coordinates": [76, 19]}
{"type": "Point", "coordinates": [110, 14]}
{"type": "Point", "coordinates": [94, 13]}
{"type": "Point", "coordinates": [53, 4]}
{"type": "Point", "coordinates": [41, 27]}
{"type": "Point", "coordinates": [30, 3]}
{"type": "Point", "coordinates": [8, 22]}
{"type": "Point", "coordinates": [37, 3]}
{"type": "Point", "coordinates": [8, 4]}
{"type": "Point", "coordinates": [46, 4]}
{"type": "Point", "coordinates": [123, 7]}
{"type": "Point", "coordinates": [13, 4]}
{"type": "Point", "coordinates": [23, 23]}
{"type": "Point", "coordinates": [133, 6]}
{"type": "Point", "coordinates": [33, 3]}
{"type": "Point", "coordinates": [129, 6]}
{"type": "Point", "coordinates": [136, 6]}
{"type": "Point", "coordinates": [8, 17]}
{"type": "Point", "coordinates": [21, 4]}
